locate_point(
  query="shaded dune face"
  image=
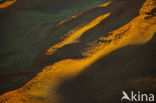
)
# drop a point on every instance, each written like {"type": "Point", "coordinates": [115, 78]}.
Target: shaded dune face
{"type": "Point", "coordinates": [73, 77]}
{"type": "Point", "coordinates": [104, 80]}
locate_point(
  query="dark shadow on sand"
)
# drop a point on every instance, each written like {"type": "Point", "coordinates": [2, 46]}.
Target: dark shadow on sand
{"type": "Point", "coordinates": [104, 81]}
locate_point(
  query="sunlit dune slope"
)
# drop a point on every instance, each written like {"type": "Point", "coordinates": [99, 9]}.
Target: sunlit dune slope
{"type": "Point", "coordinates": [27, 28]}
{"type": "Point", "coordinates": [6, 4]}
{"type": "Point", "coordinates": [115, 51]}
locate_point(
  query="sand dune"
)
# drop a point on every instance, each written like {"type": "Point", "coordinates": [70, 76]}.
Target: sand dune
{"type": "Point", "coordinates": [6, 3]}
{"type": "Point", "coordinates": [109, 49]}
{"type": "Point", "coordinates": [27, 29]}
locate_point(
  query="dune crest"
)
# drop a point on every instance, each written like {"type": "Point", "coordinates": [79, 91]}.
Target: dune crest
{"type": "Point", "coordinates": [76, 33]}
{"type": "Point", "coordinates": [7, 3]}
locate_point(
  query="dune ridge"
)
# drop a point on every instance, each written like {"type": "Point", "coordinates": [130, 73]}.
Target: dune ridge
{"type": "Point", "coordinates": [7, 3]}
